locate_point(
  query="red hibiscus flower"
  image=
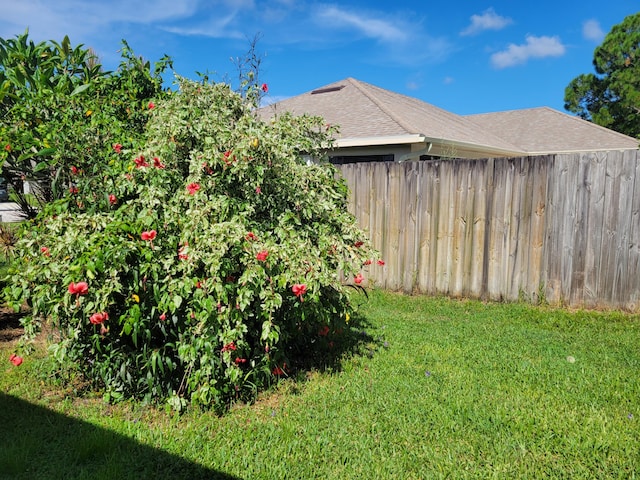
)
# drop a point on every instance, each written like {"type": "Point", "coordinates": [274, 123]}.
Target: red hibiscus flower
{"type": "Point", "coordinates": [117, 147]}
{"type": "Point", "coordinates": [264, 88]}
{"type": "Point", "coordinates": [151, 105]}
{"type": "Point", "coordinates": [229, 347]}
{"type": "Point", "coordinates": [251, 236]}
{"type": "Point", "coordinates": [381, 263]}
{"type": "Point", "coordinates": [148, 235]}
{"type": "Point", "coordinates": [80, 288]}
{"type": "Point", "coordinates": [15, 359]}
{"type": "Point", "coordinates": [157, 163]}
{"type": "Point", "coordinates": [112, 199]}
{"type": "Point", "coordinates": [262, 256]}
{"type": "Point", "coordinates": [140, 162]}
{"type": "Point", "coordinates": [358, 278]}
{"type": "Point", "coordinates": [98, 318]}
{"type": "Point", "coordinates": [192, 188]}
{"type": "Point", "coordinates": [227, 157]}
{"type": "Point", "coordinates": [299, 289]}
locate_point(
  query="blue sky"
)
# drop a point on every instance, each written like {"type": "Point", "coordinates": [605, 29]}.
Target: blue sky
{"type": "Point", "coordinates": [467, 57]}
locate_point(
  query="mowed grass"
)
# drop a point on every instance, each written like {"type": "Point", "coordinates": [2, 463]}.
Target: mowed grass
{"type": "Point", "coordinates": [447, 389]}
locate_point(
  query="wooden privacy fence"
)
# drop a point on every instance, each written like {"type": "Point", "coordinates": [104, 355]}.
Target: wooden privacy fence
{"type": "Point", "coordinates": [560, 228]}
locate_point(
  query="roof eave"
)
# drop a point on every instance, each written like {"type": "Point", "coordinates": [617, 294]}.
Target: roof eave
{"type": "Point", "coordinates": [382, 140]}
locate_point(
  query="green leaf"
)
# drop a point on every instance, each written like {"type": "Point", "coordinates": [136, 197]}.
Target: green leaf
{"type": "Point", "coordinates": [177, 300]}
{"type": "Point", "coordinates": [41, 166]}
{"type": "Point", "coordinates": [80, 89]}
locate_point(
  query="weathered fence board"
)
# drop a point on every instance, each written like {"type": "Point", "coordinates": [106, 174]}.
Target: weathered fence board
{"type": "Point", "coordinates": [566, 227]}
{"type": "Point", "coordinates": [621, 288]}
{"type": "Point", "coordinates": [480, 171]}
{"type": "Point", "coordinates": [539, 175]}
{"type": "Point", "coordinates": [634, 241]}
{"type": "Point", "coordinates": [595, 218]}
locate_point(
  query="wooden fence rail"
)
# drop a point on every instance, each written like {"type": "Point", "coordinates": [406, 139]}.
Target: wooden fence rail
{"type": "Point", "coordinates": [563, 228]}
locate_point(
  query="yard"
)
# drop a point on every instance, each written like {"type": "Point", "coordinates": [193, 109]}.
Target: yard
{"type": "Point", "coordinates": [442, 388]}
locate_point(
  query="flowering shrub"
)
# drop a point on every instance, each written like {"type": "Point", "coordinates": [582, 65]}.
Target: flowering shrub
{"type": "Point", "coordinates": [198, 276]}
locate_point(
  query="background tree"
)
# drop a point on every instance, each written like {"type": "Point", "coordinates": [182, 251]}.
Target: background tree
{"type": "Point", "coordinates": [611, 97]}
{"type": "Point", "coordinates": [59, 108]}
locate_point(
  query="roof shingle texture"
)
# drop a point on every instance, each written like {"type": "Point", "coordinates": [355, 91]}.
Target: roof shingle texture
{"type": "Point", "coordinates": [544, 130]}
{"type": "Point", "coordinates": [363, 110]}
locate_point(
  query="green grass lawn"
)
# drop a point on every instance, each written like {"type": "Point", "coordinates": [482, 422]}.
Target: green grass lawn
{"type": "Point", "coordinates": [449, 389]}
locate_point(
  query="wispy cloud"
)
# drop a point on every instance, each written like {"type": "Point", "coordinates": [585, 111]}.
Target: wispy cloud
{"type": "Point", "coordinates": [215, 27]}
{"type": "Point", "coordinates": [77, 17]}
{"type": "Point", "coordinates": [591, 30]}
{"type": "Point", "coordinates": [368, 25]}
{"type": "Point", "coordinates": [489, 20]}
{"type": "Point", "coordinates": [402, 35]}
{"type": "Point", "coordinates": [535, 47]}
{"type": "Point", "coordinates": [388, 36]}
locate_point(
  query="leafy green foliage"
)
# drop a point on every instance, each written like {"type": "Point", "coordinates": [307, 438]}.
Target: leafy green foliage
{"type": "Point", "coordinates": [58, 108]}
{"type": "Point", "coordinates": [611, 97]}
{"type": "Point", "coordinates": [202, 266]}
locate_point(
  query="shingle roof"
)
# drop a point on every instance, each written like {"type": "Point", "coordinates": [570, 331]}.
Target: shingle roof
{"type": "Point", "coordinates": [545, 130]}
{"type": "Point", "coordinates": [364, 111]}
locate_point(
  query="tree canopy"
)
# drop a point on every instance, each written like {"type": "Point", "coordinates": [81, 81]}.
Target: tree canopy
{"type": "Point", "coordinates": [611, 96]}
{"type": "Point", "coordinates": [59, 108]}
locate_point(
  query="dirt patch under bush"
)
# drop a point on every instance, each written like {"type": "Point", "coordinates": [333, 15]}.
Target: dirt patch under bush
{"type": "Point", "coordinates": [10, 328]}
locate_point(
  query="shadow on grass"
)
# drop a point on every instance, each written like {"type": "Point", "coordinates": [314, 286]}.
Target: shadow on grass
{"type": "Point", "coordinates": [37, 443]}
{"type": "Point", "coordinates": [326, 350]}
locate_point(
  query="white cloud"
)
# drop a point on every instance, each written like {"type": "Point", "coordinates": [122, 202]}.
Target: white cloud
{"type": "Point", "coordinates": [535, 47]}
{"type": "Point", "coordinates": [489, 20]}
{"type": "Point", "coordinates": [389, 37]}
{"type": "Point", "coordinates": [81, 19]}
{"type": "Point", "coordinates": [53, 20]}
{"type": "Point", "coordinates": [591, 30]}
{"type": "Point", "coordinates": [219, 27]}
{"type": "Point", "coordinates": [377, 28]}
{"type": "Point", "coordinates": [401, 35]}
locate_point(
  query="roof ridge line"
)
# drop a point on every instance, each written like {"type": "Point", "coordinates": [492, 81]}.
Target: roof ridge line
{"type": "Point", "coordinates": [374, 99]}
